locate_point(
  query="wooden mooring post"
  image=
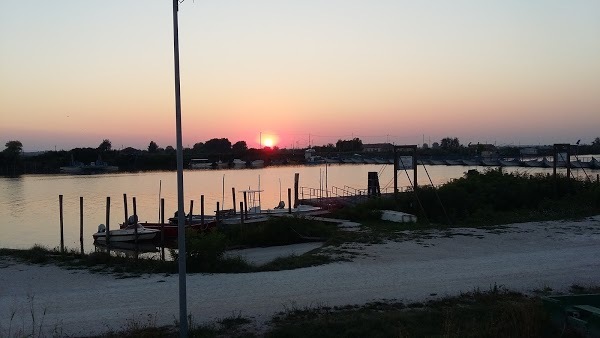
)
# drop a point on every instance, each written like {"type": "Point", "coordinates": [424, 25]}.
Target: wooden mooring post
{"type": "Point", "coordinates": [241, 213]}
{"type": "Point", "coordinates": [202, 210]}
{"type": "Point", "coordinates": [125, 208]}
{"type": "Point", "coordinates": [81, 224]}
{"type": "Point", "coordinates": [233, 196]}
{"type": "Point", "coordinates": [108, 224]}
{"type": "Point", "coordinates": [296, 183]}
{"type": "Point", "coordinates": [373, 189]}
{"type": "Point", "coordinates": [245, 205]}
{"type": "Point", "coordinates": [162, 229]}
{"type": "Point", "coordinates": [135, 229]}
{"type": "Point", "coordinates": [62, 235]}
{"type": "Point", "coordinates": [217, 213]}
{"type": "Point", "coordinates": [191, 210]}
{"type": "Point", "coordinates": [289, 201]}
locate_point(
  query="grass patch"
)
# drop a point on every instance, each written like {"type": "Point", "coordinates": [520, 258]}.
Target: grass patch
{"type": "Point", "coordinates": [125, 267]}
{"type": "Point", "coordinates": [100, 262]}
{"type": "Point", "coordinates": [496, 313]}
{"type": "Point", "coordinates": [279, 231]}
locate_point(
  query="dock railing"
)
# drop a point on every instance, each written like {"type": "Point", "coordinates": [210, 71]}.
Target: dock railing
{"type": "Point", "coordinates": [337, 196]}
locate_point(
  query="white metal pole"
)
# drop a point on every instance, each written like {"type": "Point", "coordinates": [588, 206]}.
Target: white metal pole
{"type": "Point", "coordinates": [183, 325]}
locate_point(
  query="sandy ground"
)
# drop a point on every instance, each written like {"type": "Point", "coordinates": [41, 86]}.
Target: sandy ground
{"type": "Point", "coordinates": [260, 256]}
{"type": "Point", "coordinates": [521, 257]}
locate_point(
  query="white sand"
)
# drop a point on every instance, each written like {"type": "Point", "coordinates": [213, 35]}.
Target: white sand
{"type": "Point", "coordinates": [522, 257]}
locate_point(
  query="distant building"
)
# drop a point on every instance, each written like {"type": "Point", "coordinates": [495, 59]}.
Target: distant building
{"type": "Point", "coordinates": [309, 153]}
{"type": "Point", "coordinates": [378, 147]}
{"type": "Point", "coordinates": [528, 151]}
{"type": "Point", "coordinates": [485, 150]}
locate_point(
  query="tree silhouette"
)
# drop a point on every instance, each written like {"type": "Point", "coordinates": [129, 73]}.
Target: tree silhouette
{"type": "Point", "coordinates": [105, 145]}
{"type": "Point", "coordinates": [239, 147]}
{"type": "Point", "coordinates": [217, 146]}
{"type": "Point", "coordinates": [152, 147]}
{"type": "Point", "coordinates": [352, 145]}
{"type": "Point", "coordinates": [450, 143]}
{"type": "Point", "coordinates": [13, 149]}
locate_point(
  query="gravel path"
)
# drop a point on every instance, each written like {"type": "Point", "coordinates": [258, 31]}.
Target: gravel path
{"type": "Point", "coordinates": [521, 257]}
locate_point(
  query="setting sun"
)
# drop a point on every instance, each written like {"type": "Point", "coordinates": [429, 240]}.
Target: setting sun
{"type": "Point", "coordinates": [268, 142]}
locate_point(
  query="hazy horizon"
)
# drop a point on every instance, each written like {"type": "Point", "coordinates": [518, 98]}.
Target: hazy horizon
{"type": "Point", "coordinates": [513, 73]}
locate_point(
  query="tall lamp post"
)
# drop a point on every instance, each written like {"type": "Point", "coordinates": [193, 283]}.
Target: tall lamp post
{"type": "Point", "coordinates": [181, 257]}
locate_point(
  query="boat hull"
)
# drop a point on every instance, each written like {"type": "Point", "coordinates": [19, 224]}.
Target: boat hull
{"type": "Point", "coordinates": [132, 233]}
{"type": "Point", "coordinates": [172, 230]}
{"type": "Point", "coordinates": [126, 237]}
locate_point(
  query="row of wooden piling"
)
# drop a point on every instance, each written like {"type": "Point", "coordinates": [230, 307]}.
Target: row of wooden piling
{"type": "Point", "coordinates": [243, 216]}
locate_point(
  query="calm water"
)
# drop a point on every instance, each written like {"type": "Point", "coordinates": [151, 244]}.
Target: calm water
{"type": "Point", "coordinates": [29, 212]}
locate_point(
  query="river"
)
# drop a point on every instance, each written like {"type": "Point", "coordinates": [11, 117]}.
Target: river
{"type": "Point", "coordinates": [30, 203]}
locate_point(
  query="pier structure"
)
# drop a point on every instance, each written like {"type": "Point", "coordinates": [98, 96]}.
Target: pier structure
{"type": "Point", "coordinates": [584, 162]}
{"type": "Point", "coordinates": [405, 163]}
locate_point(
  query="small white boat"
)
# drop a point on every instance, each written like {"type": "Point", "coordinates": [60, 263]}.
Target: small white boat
{"type": "Point", "coordinates": [96, 167]}
{"type": "Point", "coordinates": [200, 163]}
{"type": "Point", "coordinates": [257, 164]}
{"type": "Point", "coordinates": [127, 234]}
{"type": "Point", "coordinates": [237, 163]}
{"type": "Point", "coordinates": [299, 210]}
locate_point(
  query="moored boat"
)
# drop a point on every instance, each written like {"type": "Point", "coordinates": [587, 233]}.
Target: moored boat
{"type": "Point", "coordinates": [537, 163]}
{"type": "Point", "coordinates": [510, 163]}
{"type": "Point", "coordinates": [490, 162]}
{"type": "Point", "coordinates": [471, 163]}
{"type": "Point", "coordinates": [200, 163]}
{"type": "Point", "coordinates": [96, 167]}
{"type": "Point", "coordinates": [127, 234]}
{"type": "Point", "coordinates": [256, 214]}
{"type": "Point", "coordinates": [238, 164]}
{"type": "Point", "coordinates": [171, 230]}
{"type": "Point", "coordinates": [257, 164]}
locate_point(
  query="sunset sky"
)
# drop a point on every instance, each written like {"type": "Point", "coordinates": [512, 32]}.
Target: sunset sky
{"type": "Point", "coordinates": [74, 72]}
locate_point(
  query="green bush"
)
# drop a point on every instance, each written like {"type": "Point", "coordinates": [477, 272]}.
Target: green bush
{"type": "Point", "coordinates": [204, 250]}
{"type": "Point", "coordinates": [490, 197]}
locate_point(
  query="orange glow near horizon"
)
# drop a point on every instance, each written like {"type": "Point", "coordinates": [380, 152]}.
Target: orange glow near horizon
{"type": "Point", "coordinates": [268, 140]}
{"type": "Point", "coordinates": [268, 143]}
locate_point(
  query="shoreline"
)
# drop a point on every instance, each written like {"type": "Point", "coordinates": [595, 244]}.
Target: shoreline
{"type": "Point", "coordinates": [521, 257]}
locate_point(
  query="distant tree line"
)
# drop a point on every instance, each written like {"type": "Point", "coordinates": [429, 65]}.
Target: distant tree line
{"type": "Point", "coordinates": [154, 157]}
